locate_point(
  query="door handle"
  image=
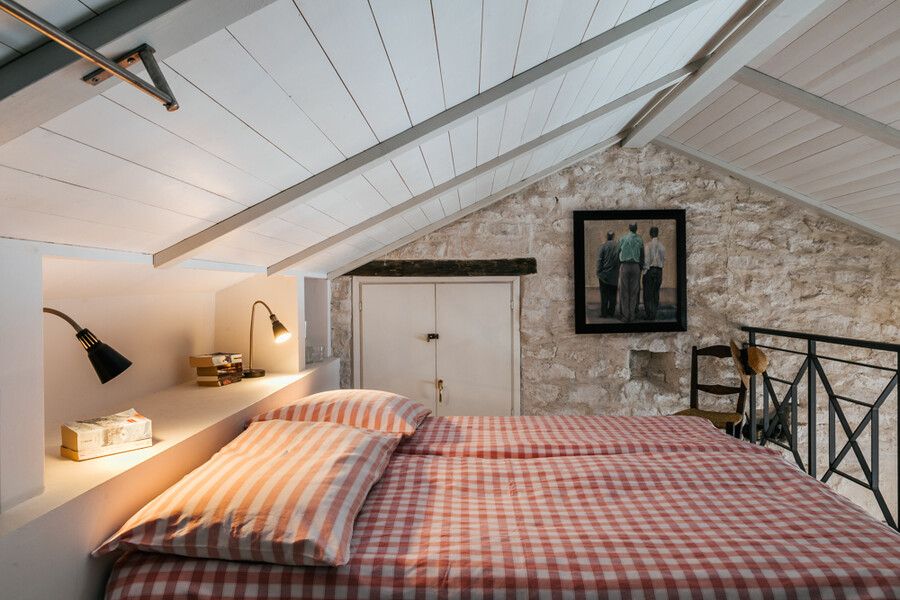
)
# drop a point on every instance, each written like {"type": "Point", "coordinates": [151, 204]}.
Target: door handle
{"type": "Point", "coordinates": [440, 386]}
{"type": "Point", "coordinates": [431, 336]}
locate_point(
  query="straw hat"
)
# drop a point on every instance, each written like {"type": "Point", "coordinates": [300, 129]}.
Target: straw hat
{"type": "Point", "coordinates": [748, 361]}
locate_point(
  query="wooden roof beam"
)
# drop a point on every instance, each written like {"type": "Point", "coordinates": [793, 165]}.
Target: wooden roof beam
{"type": "Point", "coordinates": [756, 181]}
{"type": "Point", "coordinates": [46, 82]}
{"type": "Point", "coordinates": [422, 132]}
{"type": "Point", "coordinates": [472, 174]}
{"type": "Point", "coordinates": [770, 21]}
{"type": "Point", "coordinates": [817, 105]}
{"type": "Point", "coordinates": [477, 206]}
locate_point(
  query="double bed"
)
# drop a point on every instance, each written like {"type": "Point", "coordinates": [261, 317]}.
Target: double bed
{"type": "Point", "coordinates": [558, 507]}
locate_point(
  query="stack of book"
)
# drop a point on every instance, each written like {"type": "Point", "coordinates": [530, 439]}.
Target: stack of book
{"type": "Point", "coordinates": [220, 368]}
{"type": "Point", "coordinates": [111, 434]}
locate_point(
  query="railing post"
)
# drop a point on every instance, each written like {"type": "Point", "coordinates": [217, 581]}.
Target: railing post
{"type": "Point", "coordinates": [794, 427]}
{"type": "Point", "coordinates": [765, 412]}
{"type": "Point", "coordinates": [832, 445]}
{"type": "Point", "coordinates": [752, 392]}
{"type": "Point", "coordinates": [811, 407]}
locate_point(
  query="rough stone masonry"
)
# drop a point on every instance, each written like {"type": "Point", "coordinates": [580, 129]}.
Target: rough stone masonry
{"type": "Point", "coordinates": [752, 259]}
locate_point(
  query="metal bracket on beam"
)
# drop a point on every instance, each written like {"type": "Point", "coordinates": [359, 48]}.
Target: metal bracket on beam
{"type": "Point", "coordinates": [143, 53]}
{"type": "Point", "coordinates": [159, 89]}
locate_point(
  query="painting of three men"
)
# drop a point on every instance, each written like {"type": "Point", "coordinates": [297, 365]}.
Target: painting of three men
{"type": "Point", "coordinates": [630, 271]}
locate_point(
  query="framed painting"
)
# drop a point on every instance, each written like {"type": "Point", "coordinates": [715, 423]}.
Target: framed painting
{"type": "Point", "coordinates": [630, 271]}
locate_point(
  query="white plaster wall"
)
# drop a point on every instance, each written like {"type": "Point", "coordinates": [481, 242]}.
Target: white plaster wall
{"type": "Point", "coordinates": [21, 365]}
{"type": "Point", "coordinates": [232, 324]}
{"type": "Point", "coordinates": [156, 333]}
{"type": "Point", "coordinates": [316, 302]}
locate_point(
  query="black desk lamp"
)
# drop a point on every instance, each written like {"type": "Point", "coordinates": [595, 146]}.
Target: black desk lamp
{"type": "Point", "coordinates": [280, 332]}
{"type": "Point", "coordinates": [107, 362]}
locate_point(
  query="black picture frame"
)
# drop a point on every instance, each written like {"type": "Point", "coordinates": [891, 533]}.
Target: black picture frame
{"type": "Point", "coordinates": [591, 229]}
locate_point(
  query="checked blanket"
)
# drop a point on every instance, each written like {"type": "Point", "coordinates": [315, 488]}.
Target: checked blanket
{"type": "Point", "coordinates": [696, 522]}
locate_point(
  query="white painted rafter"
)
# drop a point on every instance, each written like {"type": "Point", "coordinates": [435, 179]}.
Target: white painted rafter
{"type": "Point", "coordinates": [779, 190]}
{"type": "Point", "coordinates": [422, 132]}
{"type": "Point", "coordinates": [819, 106]}
{"type": "Point", "coordinates": [770, 21]}
{"type": "Point", "coordinates": [477, 206]}
{"type": "Point", "coordinates": [504, 159]}
{"type": "Point", "coordinates": [46, 82]}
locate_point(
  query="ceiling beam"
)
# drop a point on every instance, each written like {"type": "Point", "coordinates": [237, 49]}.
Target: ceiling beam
{"type": "Point", "coordinates": [472, 174]}
{"type": "Point", "coordinates": [422, 132]}
{"type": "Point", "coordinates": [477, 206]}
{"type": "Point", "coordinates": [819, 106]}
{"type": "Point", "coordinates": [768, 23]}
{"type": "Point", "coordinates": [772, 187]}
{"type": "Point", "coordinates": [46, 82]}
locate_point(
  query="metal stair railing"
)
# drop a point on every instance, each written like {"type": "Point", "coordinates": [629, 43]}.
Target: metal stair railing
{"type": "Point", "coordinates": [780, 430]}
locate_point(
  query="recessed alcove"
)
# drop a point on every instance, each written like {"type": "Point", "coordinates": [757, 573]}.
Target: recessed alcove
{"type": "Point", "coordinates": [657, 367]}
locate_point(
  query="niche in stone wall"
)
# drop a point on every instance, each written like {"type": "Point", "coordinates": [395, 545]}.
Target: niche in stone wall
{"type": "Point", "coordinates": [656, 367]}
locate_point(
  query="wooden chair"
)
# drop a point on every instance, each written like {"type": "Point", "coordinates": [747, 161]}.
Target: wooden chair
{"type": "Point", "coordinates": [729, 421]}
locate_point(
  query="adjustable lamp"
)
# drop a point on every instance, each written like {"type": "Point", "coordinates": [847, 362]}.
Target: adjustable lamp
{"type": "Point", "coordinates": [107, 362]}
{"type": "Point", "coordinates": [280, 332]}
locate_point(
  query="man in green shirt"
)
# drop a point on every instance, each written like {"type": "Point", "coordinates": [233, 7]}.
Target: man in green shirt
{"type": "Point", "coordinates": [631, 261]}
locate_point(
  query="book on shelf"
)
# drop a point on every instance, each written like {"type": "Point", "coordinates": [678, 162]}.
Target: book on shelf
{"type": "Point", "coordinates": [110, 430]}
{"type": "Point", "coordinates": [80, 455]}
{"type": "Point", "coordinates": [220, 377]}
{"type": "Point", "coordinates": [226, 369]}
{"type": "Point", "coordinates": [218, 381]}
{"type": "Point", "coordinates": [215, 359]}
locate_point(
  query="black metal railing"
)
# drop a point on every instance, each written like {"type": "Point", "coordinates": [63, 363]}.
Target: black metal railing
{"type": "Point", "coordinates": [777, 428]}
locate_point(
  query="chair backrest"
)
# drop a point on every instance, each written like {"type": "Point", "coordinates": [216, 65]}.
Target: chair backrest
{"type": "Point", "coordinates": [718, 390]}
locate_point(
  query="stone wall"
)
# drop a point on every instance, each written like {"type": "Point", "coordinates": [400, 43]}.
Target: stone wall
{"type": "Point", "coordinates": [752, 259]}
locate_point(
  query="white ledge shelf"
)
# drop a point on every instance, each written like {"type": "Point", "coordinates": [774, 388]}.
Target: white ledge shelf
{"type": "Point", "coordinates": [189, 424]}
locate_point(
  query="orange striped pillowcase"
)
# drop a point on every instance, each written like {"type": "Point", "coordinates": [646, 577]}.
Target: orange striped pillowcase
{"type": "Point", "coordinates": [281, 492]}
{"type": "Point", "coordinates": [371, 409]}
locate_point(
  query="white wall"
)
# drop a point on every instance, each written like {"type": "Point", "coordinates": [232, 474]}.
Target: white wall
{"type": "Point", "coordinates": [232, 325]}
{"type": "Point", "coordinates": [156, 333]}
{"type": "Point", "coordinates": [21, 365]}
{"type": "Point", "coordinates": [316, 292]}
{"type": "Point", "coordinates": [156, 318]}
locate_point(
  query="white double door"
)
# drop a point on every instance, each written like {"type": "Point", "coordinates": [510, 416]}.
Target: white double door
{"type": "Point", "coordinates": [451, 345]}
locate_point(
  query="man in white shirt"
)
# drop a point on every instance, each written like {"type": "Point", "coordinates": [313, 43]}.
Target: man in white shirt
{"type": "Point", "coordinates": [655, 256]}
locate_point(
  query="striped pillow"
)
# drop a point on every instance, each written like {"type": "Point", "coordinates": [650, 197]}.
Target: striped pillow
{"type": "Point", "coordinates": [281, 492]}
{"type": "Point", "coordinates": [371, 409]}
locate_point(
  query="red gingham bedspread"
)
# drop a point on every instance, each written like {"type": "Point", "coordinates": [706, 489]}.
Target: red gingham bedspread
{"type": "Point", "coordinates": [533, 437]}
{"type": "Point", "coordinates": [743, 523]}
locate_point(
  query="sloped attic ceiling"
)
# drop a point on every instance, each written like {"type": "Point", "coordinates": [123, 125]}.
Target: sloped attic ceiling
{"type": "Point", "coordinates": [314, 136]}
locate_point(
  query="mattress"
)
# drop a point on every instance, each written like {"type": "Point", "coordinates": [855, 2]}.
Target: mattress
{"type": "Point", "coordinates": [634, 519]}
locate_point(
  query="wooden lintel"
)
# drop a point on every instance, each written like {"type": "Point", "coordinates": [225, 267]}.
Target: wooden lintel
{"type": "Point", "coordinates": [447, 268]}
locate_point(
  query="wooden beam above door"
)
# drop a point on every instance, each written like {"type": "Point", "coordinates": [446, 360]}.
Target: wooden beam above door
{"type": "Point", "coordinates": [447, 268]}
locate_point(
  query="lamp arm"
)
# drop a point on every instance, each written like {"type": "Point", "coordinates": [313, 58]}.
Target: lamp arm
{"type": "Point", "coordinates": [252, 312]}
{"type": "Point", "coordinates": [65, 317]}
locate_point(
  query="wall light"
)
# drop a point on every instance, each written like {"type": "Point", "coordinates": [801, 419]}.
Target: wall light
{"type": "Point", "coordinates": [107, 362]}
{"type": "Point", "coordinates": [280, 332]}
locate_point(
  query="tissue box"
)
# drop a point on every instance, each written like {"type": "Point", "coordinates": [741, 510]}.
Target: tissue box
{"type": "Point", "coordinates": [126, 427]}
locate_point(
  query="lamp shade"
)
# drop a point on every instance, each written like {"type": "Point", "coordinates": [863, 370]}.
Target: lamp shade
{"type": "Point", "coordinates": [280, 332]}
{"type": "Point", "coordinates": [106, 362]}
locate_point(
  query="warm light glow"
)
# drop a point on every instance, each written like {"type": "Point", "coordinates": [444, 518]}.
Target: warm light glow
{"type": "Point", "coordinates": [280, 332]}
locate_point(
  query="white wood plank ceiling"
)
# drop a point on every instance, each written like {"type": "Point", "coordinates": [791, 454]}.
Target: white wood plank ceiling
{"type": "Point", "coordinates": [817, 116]}
{"type": "Point", "coordinates": [315, 135]}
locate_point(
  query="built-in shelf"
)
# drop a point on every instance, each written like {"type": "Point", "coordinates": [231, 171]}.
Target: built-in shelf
{"type": "Point", "coordinates": [179, 414]}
